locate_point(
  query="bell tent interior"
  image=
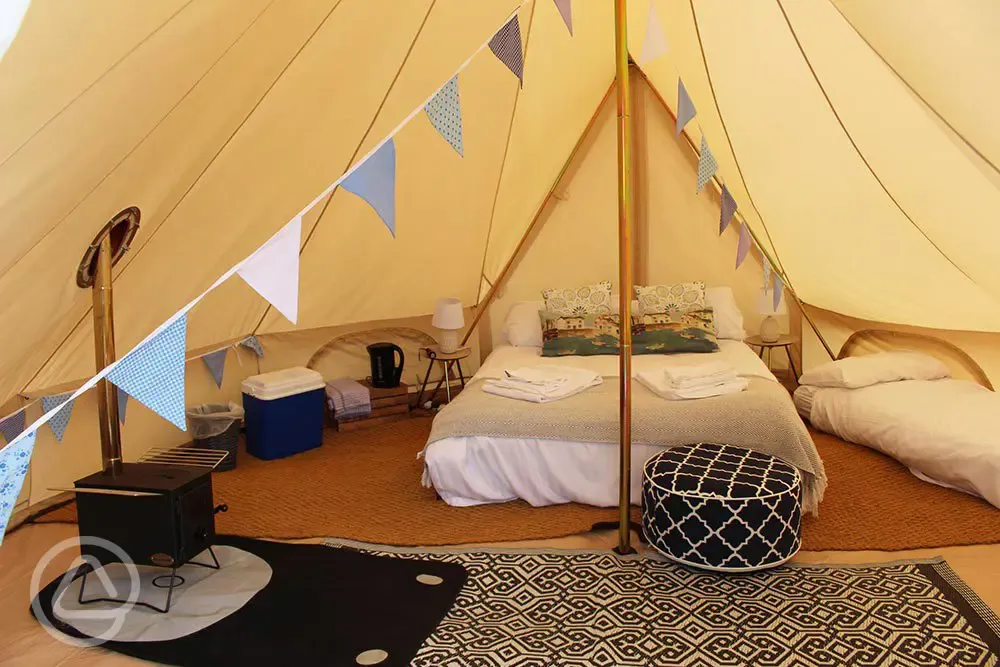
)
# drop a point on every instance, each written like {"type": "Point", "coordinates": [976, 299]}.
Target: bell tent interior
{"type": "Point", "coordinates": [852, 145]}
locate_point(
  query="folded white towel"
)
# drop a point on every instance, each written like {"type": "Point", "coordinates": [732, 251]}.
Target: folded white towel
{"type": "Point", "coordinates": [683, 375]}
{"type": "Point", "coordinates": [541, 385]}
{"type": "Point", "coordinates": [702, 383]}
{"type": "Point", "coordinates": [659, 386]}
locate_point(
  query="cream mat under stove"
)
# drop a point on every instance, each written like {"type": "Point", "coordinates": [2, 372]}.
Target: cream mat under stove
{"type": "Point", "coordinates": [206, 597]}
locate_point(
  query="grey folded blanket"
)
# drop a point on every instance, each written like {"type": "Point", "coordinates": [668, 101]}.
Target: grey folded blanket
{"type": "Point", "coordinates": [348, 398]}
{"type": "Point", "coordinates": [763, 419]}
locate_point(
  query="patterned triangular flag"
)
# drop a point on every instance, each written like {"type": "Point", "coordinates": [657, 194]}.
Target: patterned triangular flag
{"type": "Point", "coordinates": [252, 343]}
{"type": "Point", "coordinates": [122, 403]}
{"type": "Point", "coordinates": [728, 209]}
{"type": "Point", "coordinates": [445, 113]}
{"type": "Point", "coordinates": [566, 11]}
{"type": "Point", "coordinates": [153, 374]}
{"type": "Point", "coordinates": [743, 246]}
{"type": "Point", "coordinates": [374, 180]}
{"type": "Point", "coordinates": [14, 463]}
{"type": "Point", "coordinates": [779, 288]}
{"type": "Point", "coordinates": [216, 363]}
{"type": "Point", "coordinates": [273, 269]}
{"type": "Point", "coordinates": [707, 166]}
{"type": "Point", "coordinates": [506, 45]}
{"type": "Point", "coordinates": [12, 425]}
{"type": "Point", "coordinates": [685, 107]}
{"type": "Point", "coordinates": [60, 420]}
{"type": "Point", "coordinates": [655, 43]}
{"type": "Point", "coordinates": [767, 274]}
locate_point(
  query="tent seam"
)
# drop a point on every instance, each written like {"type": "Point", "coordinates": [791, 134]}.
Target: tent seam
{"type": "Point", "coordinates": [732, 150]}
{"type": "Point", "coordinates": [914, 90]}
{"type": "Point", "coordinates": [857, 149]}
{"type": "Point", "coordinates": [360, 145]}
{"type": "Point", "coordinates": [141, 141]}
{"type": "Point", "coordinates": [93, 83]}
{"type": "Point", "coordinates": [130, 257]}
{"type": "Point", "coordinates": [503, 160]}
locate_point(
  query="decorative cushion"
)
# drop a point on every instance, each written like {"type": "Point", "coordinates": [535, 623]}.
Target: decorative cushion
{"type": "Point", "coordinates": [582, 335]}
{"type": "Point", "coordinates": [674, 331]}
{"type": "Point", "coordinates": [587, 300]}
{"type": "Point", "coordinates": [661, 298]}
{"type": "Point", "coordinates": [720, 507]}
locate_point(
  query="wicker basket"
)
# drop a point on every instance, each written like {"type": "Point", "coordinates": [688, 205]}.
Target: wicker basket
{"type": "Point", "coordinates": [228, 441]}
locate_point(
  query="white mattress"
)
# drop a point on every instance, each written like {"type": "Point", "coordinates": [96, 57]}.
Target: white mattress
{"type": "Point", "coordinates": [803, 399]}
{"type": "Point", "coordinates": [478, 470]}
{"type": "Point", "coordinates": [946, 431]}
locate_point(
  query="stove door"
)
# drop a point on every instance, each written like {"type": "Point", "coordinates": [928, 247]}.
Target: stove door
{"type": "Point", "coordinates": [195, 520]}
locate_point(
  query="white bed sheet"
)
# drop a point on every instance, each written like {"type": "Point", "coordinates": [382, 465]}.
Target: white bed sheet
{"type": "Point", "coordinates": [479, 470]}
{"type": "Point", "coordinates": [945, 431]}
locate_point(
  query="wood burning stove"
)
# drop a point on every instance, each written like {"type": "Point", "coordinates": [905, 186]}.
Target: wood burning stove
{"type": "Point", "coordinates": [161, 515]}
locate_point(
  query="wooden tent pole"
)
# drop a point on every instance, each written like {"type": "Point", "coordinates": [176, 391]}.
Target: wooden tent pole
{"type": "Point", "coordinates": [495, 287]}
{"type": "Point", "coordinates": [624, 279]}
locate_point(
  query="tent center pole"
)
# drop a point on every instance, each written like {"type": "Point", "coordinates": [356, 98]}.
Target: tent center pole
{"type": "Point", "coordinates": [104, 347]}
{"type": "Point", "coordinates": [624, 278]}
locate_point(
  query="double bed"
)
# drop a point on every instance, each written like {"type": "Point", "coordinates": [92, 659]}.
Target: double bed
{"type": "Point", "coordinates": [490, 449]}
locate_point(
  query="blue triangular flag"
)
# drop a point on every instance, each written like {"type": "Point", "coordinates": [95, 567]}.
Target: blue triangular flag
{"type": "Point", "coordinates": [685, 107]}
{"type": "Point", "coordinates": [707, 166]}
{"type": "Point", "coordinates": [14, 462]}
{"type": "Point", "coordinates": [153, 373]}
{"type": "Point", "coordinates": [122, 403]}
{"type": "Point", "coordinates": [374, 180]}
{"type": "Point", "coordinates": [506, 46]}
{"type": "Point", "coordinates": [254, 344]}
{"type": "Point", "coordinates": [445, 113]}
{"type": "Point", "coordinates": [59, 420]}
{"type": "Point", "coordinates": [743, 246]}
{"type": "Point", "coordinates": [767, 274]}
{"type": "Point", "coordinates": [216, 363]}
{"type": "Point", "coordinates": [728, 209]}
{"type": "Point", "coordinates": [779, 288]}
{"type": "Point", "coordinates": [566, 11]}
{"type": "Point", "coordinates": [12, 425]}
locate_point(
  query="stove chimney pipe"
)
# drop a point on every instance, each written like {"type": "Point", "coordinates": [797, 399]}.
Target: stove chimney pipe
{"type": "Point", "coordinates": [95, 271]}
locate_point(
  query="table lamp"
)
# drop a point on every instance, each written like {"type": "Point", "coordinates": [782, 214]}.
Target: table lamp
{"type": "Point", "coordinates": [449, 318]}
{"type": "Point", "coordinates": [770, 329]}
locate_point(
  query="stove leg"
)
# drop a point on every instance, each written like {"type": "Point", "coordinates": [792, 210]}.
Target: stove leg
{"type": "Point", "coordinates": [211, 552]}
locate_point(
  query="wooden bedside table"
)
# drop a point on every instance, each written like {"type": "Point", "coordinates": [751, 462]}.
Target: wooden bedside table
{"type": "Point", "coordinates": [783, 341]}
{"type": "Point", "coordinates": [448, 360]}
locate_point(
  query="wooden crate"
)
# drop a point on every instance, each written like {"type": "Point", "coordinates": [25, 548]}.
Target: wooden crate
{"type": "Point", "coordinates": [388, 405]}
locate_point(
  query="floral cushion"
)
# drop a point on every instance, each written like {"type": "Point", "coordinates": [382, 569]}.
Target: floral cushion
{"type": "Point", "coordinates": [675, 331]}
{"type": "Point", "coordinates": [583, 335]}
{"type": "Point", "coordinates": [587, 300]}
{"type": "Point", "coordinates": [661, 298]}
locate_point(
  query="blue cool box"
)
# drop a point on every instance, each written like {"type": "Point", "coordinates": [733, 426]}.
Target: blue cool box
{"type": "Point", "coordinates": [284, 412]}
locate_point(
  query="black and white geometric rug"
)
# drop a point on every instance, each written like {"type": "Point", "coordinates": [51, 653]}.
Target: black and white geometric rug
{"type": "Point", "coordinates": [552, 607]}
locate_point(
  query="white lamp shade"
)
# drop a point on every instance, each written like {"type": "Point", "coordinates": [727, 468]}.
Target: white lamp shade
{"type": "Point", "coordinates": [765, 303]}
{"type": "Point", "coordinates": [448, 314]}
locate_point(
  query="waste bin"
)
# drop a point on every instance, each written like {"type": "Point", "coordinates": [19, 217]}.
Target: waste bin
{"type": "Point", "coordinates": [217, 427]}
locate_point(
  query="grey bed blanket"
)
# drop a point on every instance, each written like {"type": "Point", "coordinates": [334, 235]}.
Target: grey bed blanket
{"type": "Point", "coordinates": [762, 418]}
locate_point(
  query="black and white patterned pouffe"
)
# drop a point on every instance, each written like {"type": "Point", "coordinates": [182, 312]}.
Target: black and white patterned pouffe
{"type": "Point", "coordinates": [722, 508]}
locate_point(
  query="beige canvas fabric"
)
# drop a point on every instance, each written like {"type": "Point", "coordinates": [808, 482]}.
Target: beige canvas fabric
{"type": "Point", "coordinates": [856, 137]}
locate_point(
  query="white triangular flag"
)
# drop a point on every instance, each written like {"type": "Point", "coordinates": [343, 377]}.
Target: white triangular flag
{"type": "Point", "coordinates": [655, 43]}
{"type": "Point", "coordinates": [273, 271]}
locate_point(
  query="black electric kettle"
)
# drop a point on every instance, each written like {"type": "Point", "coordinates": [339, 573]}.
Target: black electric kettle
{"type": "Point", "coordinates": [385, 372]}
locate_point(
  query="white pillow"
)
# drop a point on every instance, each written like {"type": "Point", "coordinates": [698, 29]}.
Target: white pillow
{"type": "Point", "coordinates": [864, 371]}
{"type": "Point", "coordinates": [728, 318]}
{"type": "Point", "coordinates": [523, 327]}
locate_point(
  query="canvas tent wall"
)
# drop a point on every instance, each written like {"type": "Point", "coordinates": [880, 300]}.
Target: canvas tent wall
{"type": "Point", "coordinates": [220, 119]}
